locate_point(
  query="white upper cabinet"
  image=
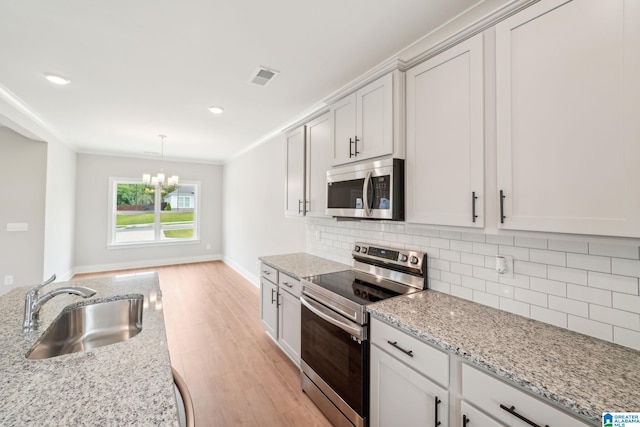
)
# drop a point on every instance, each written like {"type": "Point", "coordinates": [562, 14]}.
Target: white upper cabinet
{"type": "Point", "coordinates": [445, 138]}
{"type": "Point", "coordinates": [294, 178]}
{"type": "Point", "coordinates": [318, 162]}
{"type": "Point", "coordinates": [362, 124]}
{"type": "Point", "coordinates": [568, 122]}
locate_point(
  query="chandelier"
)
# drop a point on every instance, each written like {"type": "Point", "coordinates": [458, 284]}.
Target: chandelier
{"type": "Point", "coordinates": [159, 179]}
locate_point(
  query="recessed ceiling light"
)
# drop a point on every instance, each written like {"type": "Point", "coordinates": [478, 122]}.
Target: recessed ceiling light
{"type": "Point", "coordinates": [216, 110]}
{"type": "Point", "coordinates": [54, 78]}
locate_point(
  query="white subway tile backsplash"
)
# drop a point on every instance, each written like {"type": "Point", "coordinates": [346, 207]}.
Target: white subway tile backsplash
{"type": "Point", "coordinates": [626, 337]}
{"type": "Point", "coordinates": [625, 267]}
{"type": "Point", "coordinates": [500, 239]}
{"type": "Point", "coordinates": [485, 249]}
{"type": "Point", "coordinates": [472, 259]}
{"type": "Point", "coordinates": [531, 297]}
{"type": "Point", "coordinates": [474, 237]}
{"type": "Point", "coordinates": [461, 292]}
{"type": "Point", "coordinates": [473, 283]}
{"type": "Point", "coordinates": [569, 246]}
{"type": "Point", "coordinates": [521, 254]}
{"type": "Point", "coordinates": [589, 287]}
{"type": "Point", "coordinates": [499, 289]}
{"type": "Point", "coordinates": [626, 302]}
{"type": "Point", "coordinates": [549, 316]}
{"type": "Point", "coordinates": [627, 285]}
{"type": "Point", "coordinates": [589, 262]}
{"type": "Point", "coordinates": [449, 277]}
{"type": "Point", "coordinates": [454, 235]}
{"type": "Point", "coordinates": [518, 280]}
{"type": "Point", "coordinates": [548, 257]}
{"type": "Point", "coordinates": [530, 269]}
{"type": "Point", "coordinates": [450, 255]}
{"type": "Point", "coordinates": [618, 251]}
{"type": "Point", "coordinates": [569, 306]}
{"type": "Point", "coordinates": [486, 273]}
{"type": "Point", "coordinates": [461, 245]}
{"type": "Point", "coordinates": [593, 328]}
{"type": "Point", "coordinates": [486, 299]}
{"type": "Point", "coordinates": [586, 294]}
{"type": "Point", "coordinates": [570, 275]}
{"type": "Point", "coordinates": [531, 242]}
{"type": "Point", "coordinates": [440, 286]}
{"type": "Point", "coordinates": [547, 286]}
{"type": "Point", "coordinates": [516, 307]}
{"type": "Point", "coordinates": [621, 318]}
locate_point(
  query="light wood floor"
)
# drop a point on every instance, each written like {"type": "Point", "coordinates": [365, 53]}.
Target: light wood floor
{"type": "Point", "coordinates": [235, 373]}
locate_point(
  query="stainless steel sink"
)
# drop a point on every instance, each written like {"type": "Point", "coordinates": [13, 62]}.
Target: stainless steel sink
{"type": "Point", "coordinates": [90, 326]}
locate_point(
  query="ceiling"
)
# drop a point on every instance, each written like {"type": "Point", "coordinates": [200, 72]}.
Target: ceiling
{"type": "Point", "coordinates": [147, 67]}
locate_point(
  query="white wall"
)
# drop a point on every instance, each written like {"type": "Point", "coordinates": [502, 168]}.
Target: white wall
{"type": "Point", "coordinates": [59, 220]}
{"type": "Point", "coordinates": [254, 222]}
{"type": "Point", "coordinates": [23, 170]}
{"type": "Point", "coordinates": [92, 198]}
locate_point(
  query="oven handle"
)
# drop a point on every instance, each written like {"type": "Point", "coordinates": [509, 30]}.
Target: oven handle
{"type": "Point", "coordinates": [365, 194]}
{"type": "Point", "coordinates": [334, 318]}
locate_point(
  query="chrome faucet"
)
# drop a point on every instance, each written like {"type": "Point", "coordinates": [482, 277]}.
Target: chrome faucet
{"type": "Point", "coordinates": [33, 302]}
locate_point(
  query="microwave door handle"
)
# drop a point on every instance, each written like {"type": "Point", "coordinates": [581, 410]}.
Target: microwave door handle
{"type": "Point", "coordinates": [365, 194]}
{"type": "Point", "coordinates": [328, 315]}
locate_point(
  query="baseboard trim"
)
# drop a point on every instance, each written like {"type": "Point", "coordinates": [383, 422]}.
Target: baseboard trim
{"type": "Point", "coordinates": [144, 263]}
{"type": "Point", "coordinates": [255, 280]}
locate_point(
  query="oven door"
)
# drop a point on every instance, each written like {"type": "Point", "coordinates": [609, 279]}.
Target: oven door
{"type": "Point", "coordinates": [337, 351]}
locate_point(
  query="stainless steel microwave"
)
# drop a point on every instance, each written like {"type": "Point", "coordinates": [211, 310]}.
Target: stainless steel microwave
{"type": "Point", "coordinates": [372, 190]}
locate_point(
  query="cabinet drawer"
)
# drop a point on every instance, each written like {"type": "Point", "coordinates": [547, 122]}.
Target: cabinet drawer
{"type": "Point", "coordinates": [488, 393]}
{"type": "Point", "coordinates": [421, 356]}
{"type": "Point", "coordinates": [289, 284]}
{"type": "Point", "coordinates": [269, 273]}
{"type": "Point", "coordinates": [476, 418]}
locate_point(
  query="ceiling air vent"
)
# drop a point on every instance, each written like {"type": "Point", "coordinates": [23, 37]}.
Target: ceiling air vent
{"type": "Point", "coordinates": [263, 75]}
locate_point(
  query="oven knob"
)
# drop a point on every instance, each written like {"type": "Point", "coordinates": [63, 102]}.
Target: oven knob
{"type": "Point", "coordinates": [413, 260]}
{"type": "Point", "coordinates": [403, 258]}
{"type": "Point", "coordinates": [357, 248]}
{"type": "Point", "coordinates": [363, 250]}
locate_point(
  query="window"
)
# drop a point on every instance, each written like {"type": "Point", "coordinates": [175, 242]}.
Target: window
{"type": "Point", "coordinates": [152, 214]}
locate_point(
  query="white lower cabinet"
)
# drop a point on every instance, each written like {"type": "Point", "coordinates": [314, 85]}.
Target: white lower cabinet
{"type": "Point", "coordinates": [401, 395]}
{"type": "Point", "coordinates": [507, 404]}
{"type": "Point", "coordinates": [472, 417]}
{"type": "Point", "coordinates": [280, 309]}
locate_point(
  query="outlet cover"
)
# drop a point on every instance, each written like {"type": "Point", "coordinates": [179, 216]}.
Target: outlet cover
{"type": "Point", "coordinates": [509, 264]}
{"type": "Point", "coordinates": [17, 226]}
{"type": "Point", "coordinates": [8, 280]}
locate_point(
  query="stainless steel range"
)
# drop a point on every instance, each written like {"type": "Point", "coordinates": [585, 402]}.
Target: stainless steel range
{"type": "Point", "coordinates": [335, 344]}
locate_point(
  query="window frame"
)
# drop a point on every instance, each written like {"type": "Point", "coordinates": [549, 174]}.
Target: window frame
{"type": "Point", "coordinates": [158, 241]}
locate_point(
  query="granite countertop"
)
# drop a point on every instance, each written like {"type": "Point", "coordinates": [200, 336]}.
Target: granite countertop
{"type": "Point", "coordinates": [301, 265]}
{"type": "Point", "coordinates": [124, 384]}
{"type": "Point", "coordinates": [584, 375]}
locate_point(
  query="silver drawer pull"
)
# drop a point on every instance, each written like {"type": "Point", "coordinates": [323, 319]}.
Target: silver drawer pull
{"type": "Point", "coordinates": [267, 272]}
{"type": "Point", "coordinates": [395, 344]}
{"type": "Point", "coordinates": [287, 284]}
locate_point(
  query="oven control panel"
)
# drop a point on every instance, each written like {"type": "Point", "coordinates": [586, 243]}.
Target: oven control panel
{"type": "Point", "coordinates": [371, 252]}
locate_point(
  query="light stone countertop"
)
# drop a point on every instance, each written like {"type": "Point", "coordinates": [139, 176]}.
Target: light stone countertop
{"type": "Point", "coordinates": [124, 384]}
{"type": "Point", "coordinates": [584, 375]}
{"type": "Point", "coordinates": [301, 265]}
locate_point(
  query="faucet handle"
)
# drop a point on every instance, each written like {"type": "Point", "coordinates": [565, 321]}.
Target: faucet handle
{"type": "Point", "coordinates": [37, 288]}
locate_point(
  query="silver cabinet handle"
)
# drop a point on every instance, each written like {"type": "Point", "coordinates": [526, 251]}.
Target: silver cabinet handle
{"type": "Point", "coordinates": [287, 284]}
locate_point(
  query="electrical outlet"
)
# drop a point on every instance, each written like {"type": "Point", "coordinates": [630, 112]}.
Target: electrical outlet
{"type": "Point", "coordinates": [8, 280]}
{"type": "Point", "coordinates": [504, 265]}
{"type": "Point", "coordinates": [208, 246]}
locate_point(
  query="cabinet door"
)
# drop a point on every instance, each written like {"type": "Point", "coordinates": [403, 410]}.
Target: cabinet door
{"type": "Point", "coordinates": [343, 129]}
{"type": "Point", "coordinates": [289, 325]}
{"type": "Point", "coordinates": [471, 417]}
{"type": "Point", "coordinates": [567, 119]}
{"type": "Point", "coordinates": [318, 162]}
{"type": "Point", "coordinates": [269, 307]}
{"type": "Point", "coordinates": [374, 115]}
{"type": "Point", "coordinates": [401, 396]}
{"type": "Point", "coordinates": [445, 138]}
{"type": "Point", "coordinates": [294, 179]}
